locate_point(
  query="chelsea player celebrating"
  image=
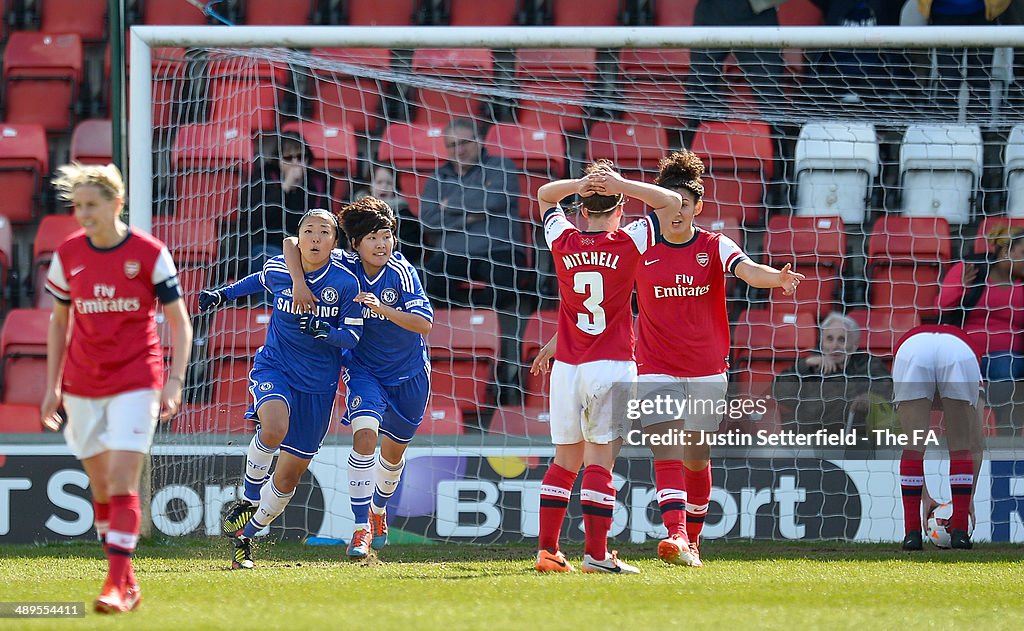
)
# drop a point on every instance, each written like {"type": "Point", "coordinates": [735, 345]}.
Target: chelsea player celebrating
{"type": "Point", "coordinates": [291, 402]}
{"type": "Point", "coordinates": [388, 375]}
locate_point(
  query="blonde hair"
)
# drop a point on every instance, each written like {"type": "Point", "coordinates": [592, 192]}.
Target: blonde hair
{"type": "Point", "coordinates": [106, 178]}
{"type": "Point", "coordinates": [1001, 237]}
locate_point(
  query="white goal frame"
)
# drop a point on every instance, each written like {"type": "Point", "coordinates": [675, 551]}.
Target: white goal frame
{"type": "Point", "coordinates": [145, 38]}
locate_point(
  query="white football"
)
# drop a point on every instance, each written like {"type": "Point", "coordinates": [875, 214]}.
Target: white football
{"type": "Point", "coordinates": [937, 528]}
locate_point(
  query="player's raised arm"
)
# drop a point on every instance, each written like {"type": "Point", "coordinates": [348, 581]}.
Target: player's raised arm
{"type": "Point", "coordinates": [303, 299]}
{"type": "Point", "coordinates": [663, 202]}
{"type": "Point", "coordinates": [766, 277]}
{"type": "Point", "coordinates": [550, 194]}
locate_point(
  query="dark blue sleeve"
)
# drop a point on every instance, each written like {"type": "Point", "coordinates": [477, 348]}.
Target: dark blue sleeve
{"type": "Point", "coordinates": [251, 284]}
{"type": "Point", "coordinates": [350, 318]}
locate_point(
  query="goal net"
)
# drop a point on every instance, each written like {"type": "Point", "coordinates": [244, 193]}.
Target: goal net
{"type": "Point", "coordinates": [870, 159]}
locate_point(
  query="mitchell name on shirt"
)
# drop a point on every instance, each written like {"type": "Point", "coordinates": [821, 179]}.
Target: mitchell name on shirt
{"type": "Point", "coordinates": [600, 259]}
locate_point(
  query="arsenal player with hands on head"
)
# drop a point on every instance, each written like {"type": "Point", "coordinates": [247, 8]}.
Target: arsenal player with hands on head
{"type": "Point", "coordinates": [109, 371]}
{"type": "Point", "coordinates": [594, 371]}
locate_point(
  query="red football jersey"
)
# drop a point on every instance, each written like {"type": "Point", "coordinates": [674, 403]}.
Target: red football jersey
{"type": "Point", "coordinates": [112, 297]}
{"type": "Point", "coordinates": [684, 327]}
{"type": "Point", "coordinates": [595, 273]}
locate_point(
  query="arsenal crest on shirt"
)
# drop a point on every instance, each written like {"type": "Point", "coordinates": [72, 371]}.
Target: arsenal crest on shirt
{"type": "Point", "coordinates": [702, 259]}
{"type": "Point", "coordinates": [132, 268]}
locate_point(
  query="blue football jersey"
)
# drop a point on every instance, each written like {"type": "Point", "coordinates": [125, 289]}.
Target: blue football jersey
{"type": "Point", "coordinates": [386, 350]}
{"type": "Point", "coordinates": [310, 365]}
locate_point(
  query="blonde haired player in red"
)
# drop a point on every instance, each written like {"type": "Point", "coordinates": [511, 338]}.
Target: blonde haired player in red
{"type": "Point", "coordinates": [109, 371]}
{"type": "Point", "coordinates": [594, 368]}
{"type": "Point", "coordinates": [683, 347]}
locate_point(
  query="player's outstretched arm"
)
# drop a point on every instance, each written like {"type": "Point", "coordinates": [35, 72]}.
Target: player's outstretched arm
{"type": "Point", "coordinates": [210, 299]}
{"type": "Point", "coordinates": [56, 351]}
{"type": "Point", "coordinates": [344, 337]}
{"type": "Point", "coordinates": [302, 297]}
{"type": "Point", "coordinates": [765, 277]}
{"type": "Point", "coordinates": [181, 336]}
{"type": "Point", "coordinates": [408, 321]}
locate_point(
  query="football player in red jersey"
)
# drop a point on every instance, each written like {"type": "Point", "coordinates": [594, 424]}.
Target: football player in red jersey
{"type": "Point", "coordinates": [594, 368]}
{"type": "Point", "coordinates": [682, 299]}
{"type": "Point", "coordinates": [109, 372]}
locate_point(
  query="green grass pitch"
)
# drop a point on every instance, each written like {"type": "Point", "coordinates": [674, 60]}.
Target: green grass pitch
{"type": "Point", "coordinates": [744, 585]}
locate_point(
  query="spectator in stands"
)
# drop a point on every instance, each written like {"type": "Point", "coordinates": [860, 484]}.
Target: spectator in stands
{"type": "Point", "coordinates": [470, 215]}
{"type": "Point", "coordinates": [979, 60]}
{"type": "Point", "coordinates": [280, 191]}
{"type": "Point", "coordinates": [763, 68]}
{"type": "Point", "coordinates": [986, 298]}
{"type": "Point", "coordinates": [409, 233]}
{"type": "Point", "coordinates": [825, 388]}
{"type": "Point", "coordinates": [847, 73]}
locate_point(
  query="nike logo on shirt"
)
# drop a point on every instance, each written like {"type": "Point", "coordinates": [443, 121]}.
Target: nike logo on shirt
{"type": "Point", "coordinates": [646, 263]}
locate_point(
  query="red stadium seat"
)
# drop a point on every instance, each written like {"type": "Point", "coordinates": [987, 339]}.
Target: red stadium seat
{"type": "Point", "coordinates": [377, 13]}
{"type": "Point", "coordinates": [193, 241]}
{"type": "Point", "coordinates": [23, 356]}
{"type": "Point", "coordinates": [905, 259]}
{"type": "Point", "coordinates": [341, 99]}
{"type": "Point", "coordinates": [739, 159]}
{"type": "Point", "coordinates": [209, 163]}
{"type": "Point", "coordinates": [882, 329]}
{"type": "Point", "coordinates": [547, 74]}
{"type": "Point", "coordinates": [19, 418]}
{"type": "Point", "coordinates": [674, 12]}
{"type": "Point", "coordinates": [163, 12]}
{"type": "Point", "coordinates": [42, 75]}
{"type": "Point", "coordinates": [539, 330]}
{"type": "Point", "coordinates": [799, 13]}
{"type": "Point", "coordinates": [816, 248]}
{"type": "Point", "coordinates": [464, 346]}
{"type": "Point", "coordinates": [654, 79]}
{"type": "Point", "coordinates": [87, 18]}
{"type": "Point", "coordinates": [988, 224]}
{"type": "Point", "coordinates": [462, 65]}
{"type": "Point", "coordinates": [442, 418]}
{"type": "Point", "coordinates": [334, 150]}
{"type": "Point", "coordinates": [476, 13]}
{"type": "Point", "coordinates": [590, 13]}
{"type": "Point", "coordinates": [278, 12]}
{"type": "Point", "coordinates": [24, 164]}
{"type": "Point", "coordinates": [765, 342]}
{"type": "Point", "coordinates": [6, 258]}
{"type": "Point", "coordinates": [416, 150]}
{"type": "Point", "coordinates": [540, 153]}
{"type": "Point", "coordinates": [235, 334]}
{"type": "Point", "coordinates": [53, 231]}
{"type": "Point", "coordinates": [92, 142]}
{"type": "Point", "coordinates": [193, 278]}
{"type": "Point", "coordinates": [516, 421]}
{"type": "Point", "coordinates": [246, 92]}
{"type": "Point", "coordinates": [635, 150]}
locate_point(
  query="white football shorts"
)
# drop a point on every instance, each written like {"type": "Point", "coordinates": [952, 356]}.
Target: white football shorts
{"type": "Point", "coordinates": [588, 401]}
{"type": "Point", "coordinates": [700, 402]}
{"type": "Point", "coordinates": [122, 422]}
{"type": "Point", "coordinates": [930, 362]}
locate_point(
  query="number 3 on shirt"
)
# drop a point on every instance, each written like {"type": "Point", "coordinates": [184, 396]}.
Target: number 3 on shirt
{"type": "Point", "coordinates": [591, 284]}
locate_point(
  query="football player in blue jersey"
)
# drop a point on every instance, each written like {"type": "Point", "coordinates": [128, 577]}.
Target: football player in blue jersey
{"type": "Point", "coordinates": [387, 377]}
{"type": "Point", "coordinates": [294, 375]}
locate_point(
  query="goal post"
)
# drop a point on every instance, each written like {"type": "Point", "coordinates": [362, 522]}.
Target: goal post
{"type": "Point", "coordinates": [870, 158]}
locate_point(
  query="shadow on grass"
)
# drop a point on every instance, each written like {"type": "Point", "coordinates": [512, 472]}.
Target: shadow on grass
{"type": "Point", "coordinates": [217, 551]}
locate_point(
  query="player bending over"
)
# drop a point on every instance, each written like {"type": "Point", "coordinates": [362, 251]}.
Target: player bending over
{"type": "Point", "coordinates": [106, 280]}
{"type": "Point", "coordinates": [294, 375]}
{"type": "Point", "coordinates": [387, 377]}
{"type": "Point", "coordinates": [930, 360]}
{"type": "Point", "coordinates": [594, 370]}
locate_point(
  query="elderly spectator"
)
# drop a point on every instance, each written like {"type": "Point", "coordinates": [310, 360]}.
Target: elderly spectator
{"type": "Point", "coordinates": [824, 388]}
{"type": "Point", "coordinates": [470, 214]}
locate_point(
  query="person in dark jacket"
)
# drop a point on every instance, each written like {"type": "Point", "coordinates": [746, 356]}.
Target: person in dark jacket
{"type": "Point", "coordinates": [280, 191]}
{"type": "Point", "coordinates": [824, 388]}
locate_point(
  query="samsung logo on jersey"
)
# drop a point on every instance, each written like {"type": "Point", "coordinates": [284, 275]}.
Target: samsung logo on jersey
{"type": "Point", "coordinates": [106, 305]}
{"type": "Point", "coordinates": [680, 291]}
{"type": "Point", "coordinates": [369, 313]}
{"type": "Point", "coordinates": [324, 312]}
{"type": "Point", "coordinates": [601, 259]}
